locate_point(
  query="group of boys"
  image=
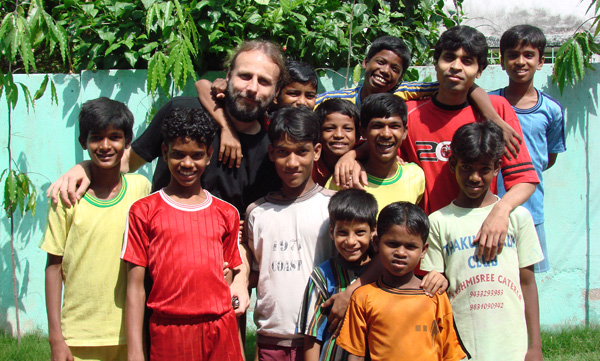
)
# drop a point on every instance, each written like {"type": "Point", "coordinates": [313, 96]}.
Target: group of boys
{"type": "Point", "coordinates": [190, 257]}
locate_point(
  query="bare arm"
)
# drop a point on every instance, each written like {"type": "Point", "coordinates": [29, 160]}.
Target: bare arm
{"type": "Point", "coordinates": [532, 314]}
{"type": "Point", "coordinates": [134, 312]}
{"type": "Point", "coordinates": [482, 102]}
{"type": "Point", "coordinates": [492, 234]}
{"type": "Point", "coordinates": [72, 185]}
{"type": "Point", "coordinates": [230, 148]}
{"type": "Point", "coordinates": [339, 302]}
{"type": "Point", "coordinates": [551, 159]}
{"type": "Point", "coordinates": [59, 350]}
{"type": "Point", "coordinates": [239, 286]}
{"type": "Point", "coordinates": [312, 348]}
{"type": "Point", "coordinates": [348, 172]}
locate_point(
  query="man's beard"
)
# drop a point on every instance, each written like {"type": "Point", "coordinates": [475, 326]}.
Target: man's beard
{"type": "Point", "coordinates": [244, 112]}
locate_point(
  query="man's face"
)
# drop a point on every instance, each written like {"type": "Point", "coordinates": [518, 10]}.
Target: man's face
{"type": "Point", "coordinates": [456, 71]}
{"type": "Point", "coordinates": [522, 62]}
{"type": "Point", "coordinates": [252, 84]}
{"type": "Point", "coordinates": [382, 71]}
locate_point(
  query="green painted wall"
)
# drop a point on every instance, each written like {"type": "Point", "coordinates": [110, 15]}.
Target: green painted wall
{"type": "Point", "coordinates": [45, 145]}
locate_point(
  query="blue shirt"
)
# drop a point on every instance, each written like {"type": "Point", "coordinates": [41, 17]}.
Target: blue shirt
{"type": "Point", "coordinates": [544, 132]}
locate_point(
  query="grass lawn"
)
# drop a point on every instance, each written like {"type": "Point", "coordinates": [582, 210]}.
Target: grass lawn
{"type": "Point", "coordinates": [572, 344]}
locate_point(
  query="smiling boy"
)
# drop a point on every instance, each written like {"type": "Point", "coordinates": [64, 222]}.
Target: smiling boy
{"type": "Point", "coordinates": [84, 241]}
{"type": "Point", "coordinates": [179, 237]}
{"type": "Point", "coordinates": [460, 57]}
{"type": "Point", "coordinates": [506, 296]}
{"type": "Point", "coordinates": [287, 232]}
{"type": "Point", "coordinates": [383, 124]}
{"type": "Point", "coordinates": [541, 117]}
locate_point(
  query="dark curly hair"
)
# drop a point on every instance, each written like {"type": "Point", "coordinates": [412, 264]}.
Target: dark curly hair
{"type": "Point", "coordinates": [188, 123]}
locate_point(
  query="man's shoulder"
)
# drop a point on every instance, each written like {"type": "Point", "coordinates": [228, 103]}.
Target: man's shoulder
{"type": "Point", "coordinates": [185, 102]}
{"type": "Point", "coordinates": [417, 104]}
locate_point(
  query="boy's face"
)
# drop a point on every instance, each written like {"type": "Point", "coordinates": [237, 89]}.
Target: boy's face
{"type": "Point", "coordinates": [400, 251]}
{"type": "Point", "coordinates": [186, 160]}
{"type": "Point", "coordinates": [474, 178]}
{"type": "Point", "coordinates": [382, 71]}
{"type": "Point", "coordinates": [384, 137]}
{"type": "Point", "coordinates": [352, 239]}
{"type": "Point", "coordinates": [338, 134]}
{"type": "Point", "coordinates": [294, 161]}
{"type": "Point", "coordinates": [106, 147]}
{"type": "Point", "coordinates": [456, 71]}
{"type": "Point", "coordinates": [296, 94]}
{"type": "Point", "coordinates": [522, 62]}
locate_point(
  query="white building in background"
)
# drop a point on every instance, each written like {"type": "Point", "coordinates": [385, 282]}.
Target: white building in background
{"type": "Point", "coordinates": [558, 19]}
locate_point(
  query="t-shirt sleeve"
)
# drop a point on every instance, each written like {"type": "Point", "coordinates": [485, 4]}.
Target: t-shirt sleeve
{"type": "Point", "coordinates": [249, 235]}
{"type": "Point", "coordinates": [555, 134]}
{"type": "Point", "coordinates": [353, 335]}
{"type": "Point", "coordinates": [148, 145]}
{"type": "Point", "coordinates": [57, 229]}
{"type": "Point", "coordinates": [312, 319]}
{"type": "Point", "coordinates": [529, 250]}
{"type": "Point", "coordinates": [136, 241]}
{"type": "Point", "coordinates": [231, 249]}
{"type": "Point", "coordinates": [410, 90]}
{"type": "Point", "coordinates": [519, 170]}
{"type": "Point", "coordinates": [452, 348]}
{"type": "Point", "coordinates": [434, 257]}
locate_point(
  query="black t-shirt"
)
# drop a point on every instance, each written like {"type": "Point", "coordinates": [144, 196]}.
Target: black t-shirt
{"type": "Point", "coordinates": [238, 186]}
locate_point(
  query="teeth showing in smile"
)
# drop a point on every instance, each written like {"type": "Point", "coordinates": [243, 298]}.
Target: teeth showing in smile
{"type": "Point", "coordinates": [379, 79]}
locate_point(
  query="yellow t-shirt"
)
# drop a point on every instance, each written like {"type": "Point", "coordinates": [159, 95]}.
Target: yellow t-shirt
{"type": "Point", "coordinates": [408, 185]}
{"type": "Point", "coordinates": [89, 237]}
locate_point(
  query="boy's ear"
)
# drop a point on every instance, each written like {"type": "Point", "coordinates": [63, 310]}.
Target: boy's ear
{"type": "Point", "coordinates": [364, 64]}
{"type": "Point", "coordinates": [452, 162]}
{"type": "Point", "coordinates": [331, 232]}
{"type": "Point", "coordinates": [164, 149]}
{"type": "Point", "coordinates": [375, 242]}
{"type": "Point", "coordinates": [425, 248]}
{"type": "Point", "coordinates": [541, 62]}
{"type": "Point", "coordinates": [271, 155]}
{"type": "Point", "coordinates": [497, 167]}
{"type": "Point", "coordinates": [318, 147]}
{"type": "Point", "coordinates": [82, 142]}
{"type": "Point", "coordinates": [209, 153]}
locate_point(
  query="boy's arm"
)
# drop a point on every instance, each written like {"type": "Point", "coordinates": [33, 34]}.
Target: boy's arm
{"type": "Point", "coordinates": [312, 348]}
{"type": "Point", "coordinates": [481, 100]}
{"type": "Point", "coordinates": [239, 286]}
{"type": "Point", "coordinates": [551, 159]}
{"type": "Point", "coordinates": [349, 173]}
{"type": "Point", "coordinates": [339, 302]}
{"type": "Point", "coordinates": [492, 234]}
{"type": "Point", "coordinates": [230, 148]}
{"type": "Point", "coordinates": [134, 312]}
{"type": "Point", "coordinates": [532, 314]}
{"type": "Point", "coordinates": [59, 350]}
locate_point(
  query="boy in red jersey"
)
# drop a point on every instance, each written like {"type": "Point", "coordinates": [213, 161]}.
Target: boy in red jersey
{"type": "Point", "coordinates": [180, 236]}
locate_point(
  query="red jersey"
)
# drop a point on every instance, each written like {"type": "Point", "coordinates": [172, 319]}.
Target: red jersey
{"type": "Point", "coordinates": [183, 248]}
{"type": "Point", "coordinates": [431, 126]}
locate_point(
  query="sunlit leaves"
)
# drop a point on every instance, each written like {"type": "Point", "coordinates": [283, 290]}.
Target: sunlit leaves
{"type": "Point", "coordinates": [573, 57]}
{"type": "Point", "coordinates": [19, 193]}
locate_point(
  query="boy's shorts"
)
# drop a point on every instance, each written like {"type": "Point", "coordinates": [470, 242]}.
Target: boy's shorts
{"type": "Point", "coordinates": [267, 352]}
{"type": "Point", "coordinates": [99, 353]}
{"type": "Point", "coordinates": [200, 338]}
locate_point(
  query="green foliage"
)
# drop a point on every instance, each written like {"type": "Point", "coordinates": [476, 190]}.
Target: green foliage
{"type": "Point", "coordinates": [575, 55]}
{"type": "Point", "coordinates": [175, 39]}
{"type": "Point", "coordinates": [19, 193]}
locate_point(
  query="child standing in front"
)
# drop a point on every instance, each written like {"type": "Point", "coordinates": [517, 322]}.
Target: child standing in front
{"type": "Point", "coordinates": [180, 237]}
{"type": "Point", "coordinates": [383, 124]}
{"type": "Point", "coordinates": [495, 302]}
{"type": "Point", "coordinates": [393, 318]}
{"type": "Point", "coordinates": [541, 117]}
{"type": "Point", "coordinates": [84, 242]}
{"type": "Point", "coordinates": [352, 221]}
{"type": "Point", "coordinates": [287, 232]}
